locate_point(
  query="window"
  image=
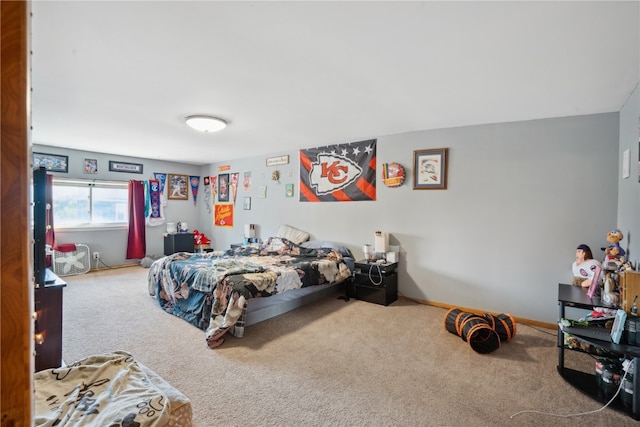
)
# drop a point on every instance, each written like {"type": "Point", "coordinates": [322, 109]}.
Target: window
{"type": "Point", "coordinates": [82, 203]}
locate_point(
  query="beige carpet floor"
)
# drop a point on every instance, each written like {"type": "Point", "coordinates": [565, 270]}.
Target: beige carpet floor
{"type": "Point", "coordinates": [333, 363]}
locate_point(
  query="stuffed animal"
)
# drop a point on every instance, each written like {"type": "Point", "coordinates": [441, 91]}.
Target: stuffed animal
{"type": "Point", "coordinates": [627, 266]}
{"type": "Point", "coordinates": [200, 238]}
{"type": "Point", "coordinates": [614, 254]}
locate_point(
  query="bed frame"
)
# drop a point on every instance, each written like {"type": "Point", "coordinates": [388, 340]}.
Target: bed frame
{"type": "Point", "coordinates": [261, 309]}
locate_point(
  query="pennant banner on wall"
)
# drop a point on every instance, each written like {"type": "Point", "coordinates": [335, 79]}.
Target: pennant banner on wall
{"type": "Point", "coordinates": [214, 185]}
{"type": "Point", "coordinates": [162, 177]}
{"type": "Point", "coordinates": [154, 198]}
{"type": "Point", "coordinates": [154, 213]}
{"type": "Point", "coordinates": [338, 173]}
{"type": "Point", "coordinates": [233, 183]}
{"type": "Point", "coordinates": [195, 183]}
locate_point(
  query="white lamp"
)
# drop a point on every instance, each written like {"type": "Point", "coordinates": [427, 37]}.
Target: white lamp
{"type": "Point", "coordinates": [205, 123]}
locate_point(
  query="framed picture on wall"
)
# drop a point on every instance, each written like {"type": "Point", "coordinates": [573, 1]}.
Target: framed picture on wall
{"type": "Point", "coordinates": [125, 167]}
{"type": "Point", "coordinates": [223, 187]}
{"type": "Point", "coordinates": [178, 187]}
{"type": "Point", "coordinates": [247, 203]}
{"type": "Point", "coordinates": [430, 169]}
{"type": "Point", "coordinates": [51, 162]}
{"type": "Point", "coordinates": [279, 160]}
{"type": "Point", "coordinates": [90, 166]}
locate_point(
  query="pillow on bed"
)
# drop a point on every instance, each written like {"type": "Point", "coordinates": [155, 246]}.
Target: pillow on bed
{"type": "Point", "coordinates": [315, 244]}
{"type": "Point", "coordinates": [292, 234]}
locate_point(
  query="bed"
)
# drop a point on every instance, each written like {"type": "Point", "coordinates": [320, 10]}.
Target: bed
{"type": "Point", "coordinates": [107, 390]}
{"type": "Point", "coordinates": [226, 291]}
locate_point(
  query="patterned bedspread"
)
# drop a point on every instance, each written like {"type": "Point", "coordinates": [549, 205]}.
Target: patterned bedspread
{"type": "Point", "coordinates": [201, 287]}
{"type": "Point", "coordinates": [103, 390]}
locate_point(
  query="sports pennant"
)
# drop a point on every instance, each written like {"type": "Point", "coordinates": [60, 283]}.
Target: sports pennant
{"type": "Point", "coordinates": [214, 189]}
{"type": "Point", "coordinates": [195, 183]}
{"type": "Point", "coordinates": [162, 177]}
{"type": "Point", "coordinates": [214, 185]}
{"type": "Point", "coordinates": [234, 186]}
{"type": "Point", "coordinates": [338, 173]}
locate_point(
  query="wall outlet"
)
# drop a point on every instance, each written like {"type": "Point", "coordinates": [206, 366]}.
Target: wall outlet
{"type": "Point", "coordinates": [96, 255]}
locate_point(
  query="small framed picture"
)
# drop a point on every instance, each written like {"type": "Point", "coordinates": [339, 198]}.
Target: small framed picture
{"type": "Point", "coordinates": [279, 160]}
{"type": "Point", "coordinates": [178, 186]}
{"type": "Point", "coordinates": [289, 190]}
{"type": "Point", "coordinates": [90, 166]}
{"type": "Point", "coordinates": [430, 169]}
{"type": "Point", "coordinates": [125, 167]}
{"type": "Point", "coordinates": [263, 191]}
{"type": "Point", "coordinates": [247, 203]}
{"type": "Point", "coordinates": [51, 162]}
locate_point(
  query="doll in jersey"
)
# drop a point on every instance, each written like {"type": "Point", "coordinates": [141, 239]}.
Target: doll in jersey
{"type": "Point", "coordinates": [584, 266]}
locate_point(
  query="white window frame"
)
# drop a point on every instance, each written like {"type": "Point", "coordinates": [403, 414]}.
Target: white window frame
{"type": "Point", "coordinates": [93, 183]}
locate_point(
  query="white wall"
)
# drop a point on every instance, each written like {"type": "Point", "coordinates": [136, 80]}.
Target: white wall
{"type": "Point", "coordinates": [520, 198]}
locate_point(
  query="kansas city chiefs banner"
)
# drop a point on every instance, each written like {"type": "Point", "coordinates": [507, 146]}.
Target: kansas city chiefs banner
{"type": "Point", "coordinates": [338, 173]}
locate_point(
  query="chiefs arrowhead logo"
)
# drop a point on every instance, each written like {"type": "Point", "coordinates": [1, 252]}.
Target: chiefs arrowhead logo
{"type": "Point", "coordinates": [331, 172]}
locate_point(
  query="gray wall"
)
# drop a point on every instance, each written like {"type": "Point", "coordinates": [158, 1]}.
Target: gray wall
{"type": "Point", "coordinates": [629, 188]}
{"type": "Point", "coordinates": [521, 196]}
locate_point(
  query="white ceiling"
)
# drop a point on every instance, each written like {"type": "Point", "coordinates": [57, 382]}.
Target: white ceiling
{"type": "Point", "coordinates": [119, 77]}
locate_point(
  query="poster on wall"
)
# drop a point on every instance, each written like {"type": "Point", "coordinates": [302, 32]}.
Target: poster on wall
{"type": "Point", "coordinates": [223, 215]}
{"type": "Point", "coordinates": [246, 182]}
{"type": "Point", "coordinates": [207, 192]}
{"type": "Point", "coordinates": [338, 173]}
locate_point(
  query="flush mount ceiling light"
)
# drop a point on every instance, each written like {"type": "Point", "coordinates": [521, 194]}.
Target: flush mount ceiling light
{"type": "Point", "coordinates": [205, 123]}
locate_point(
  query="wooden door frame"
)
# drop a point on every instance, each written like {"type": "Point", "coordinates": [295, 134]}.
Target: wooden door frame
{"type": "Point", "coordinates": [16, 252]}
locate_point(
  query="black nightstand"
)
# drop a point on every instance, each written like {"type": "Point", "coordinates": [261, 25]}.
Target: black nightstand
{"type": "Point", "coordinates": [178, 242]}
{"type": "Point", "coordinates": [373, 282]}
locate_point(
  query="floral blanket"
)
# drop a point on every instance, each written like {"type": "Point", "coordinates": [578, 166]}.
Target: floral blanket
{"type": "Point", "coordinates": [198, 287]}
{"type": "Point", "coordinates": [103, 390]}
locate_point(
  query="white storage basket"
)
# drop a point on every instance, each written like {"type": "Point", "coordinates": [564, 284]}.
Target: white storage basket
{"type": "Point", "coordinates": [70, 263]}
